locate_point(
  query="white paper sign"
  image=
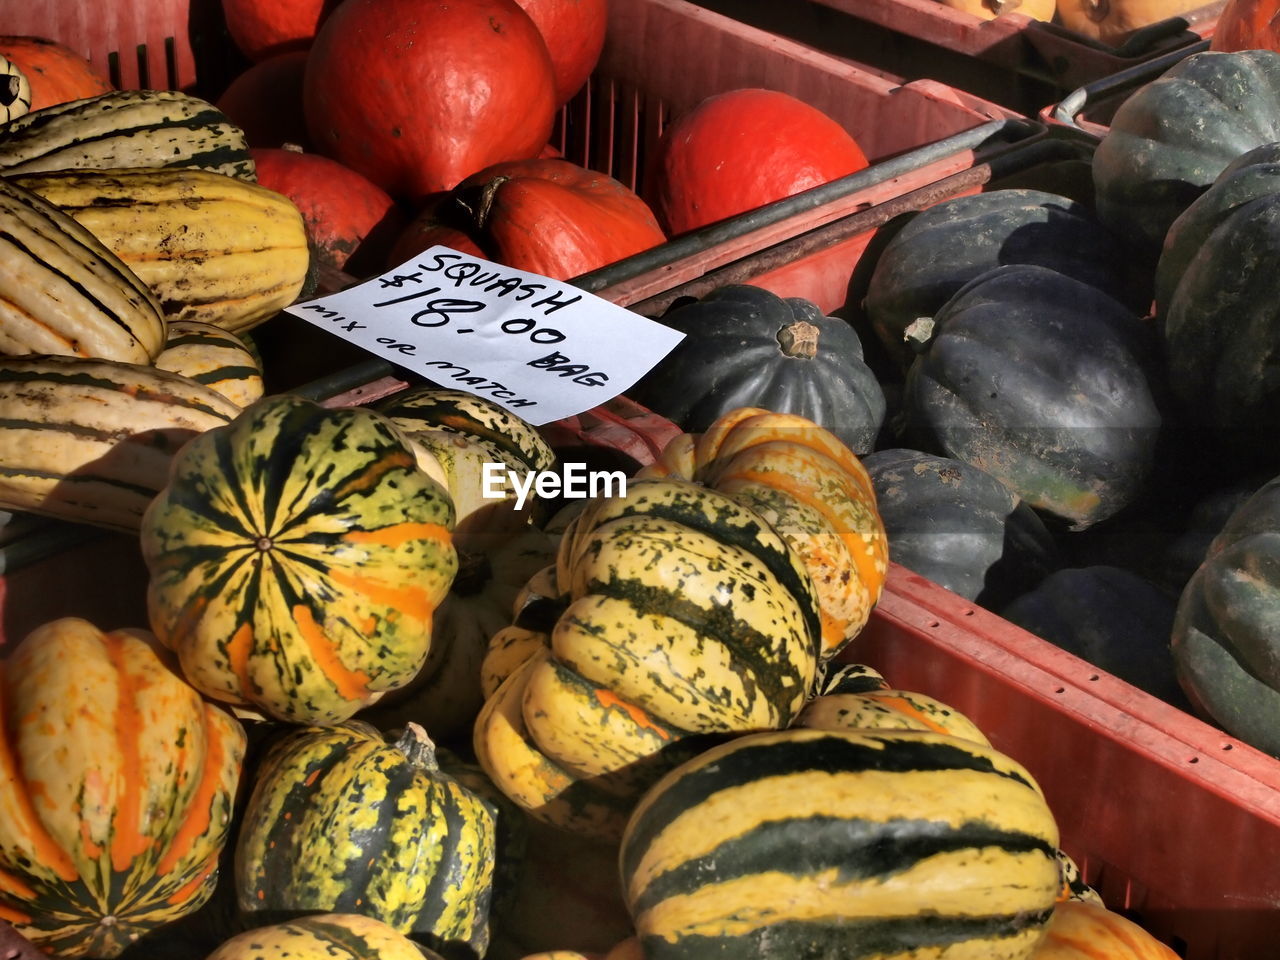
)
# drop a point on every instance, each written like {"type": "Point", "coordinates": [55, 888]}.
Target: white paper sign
{"type": "Point", "coordinates": [539, 347]}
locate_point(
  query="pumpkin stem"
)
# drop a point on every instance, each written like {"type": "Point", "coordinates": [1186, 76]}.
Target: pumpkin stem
{"type": "Point", "coordinates": [799, 339]}
{"type": "Point", "coordinates": [292, 147]}
{"type": "Point", "coordinates": [417, 746]}
{"type": "Point", "coordinates": [478, 208]}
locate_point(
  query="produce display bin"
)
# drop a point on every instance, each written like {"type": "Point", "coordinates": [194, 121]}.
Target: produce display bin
{"type": "Point", "coordinates": [1012, 59]}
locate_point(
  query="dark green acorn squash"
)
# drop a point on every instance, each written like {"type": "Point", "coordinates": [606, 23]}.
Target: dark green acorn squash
{"type": "Point", "coordinates": [747, 347]}
{"type": "Point", "coordinates": [1225, 642]}
{"type": "Point", "coordinates": [945, 246]}
{"type": "Point", "coordinates": [1221, 323]}
{"type": "Point", "coordinates": [1186, 551]}
{"type": "Point", "coordinates": [1172, 138]}
{"type": "Point", "coordinates": [959, 526]}
{"type": "Point", "coordinates": [1109, 617]}
{"type": "Point", "coordinates": [1041, 381]}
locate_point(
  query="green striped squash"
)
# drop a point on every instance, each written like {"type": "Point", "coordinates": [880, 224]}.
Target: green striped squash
{"type": "Point", "coordinates": [887, 710]}
{"type": "Point", "coordinates": [342, 821]}
{"type": "Point", "coordinates": [297, 557]}
{"type": "Point", "coordinates": [821, 844]}
{"type": "Point", "coordinates": [215, 357]}
{"type": "Point", "coordinates": [125, 128]}
{"type": "Point", "coordinates": [329, 936]}
{"type": "Point", "coordinates": [683, 613]}
{"type": "Point", "coordinates": [116, 789]}
{"type": "Point", "coordinates": [93, 440]}
{"type": "Point", "coordinates": [65, 292]}
{"type": "Point", "coordinates": [850, 678]}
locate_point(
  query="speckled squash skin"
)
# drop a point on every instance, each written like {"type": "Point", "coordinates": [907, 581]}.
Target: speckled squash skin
{"type": "Point", "coordinates": [1171, 139]}
{"type": "Point", "coordinates": [324, 937]}
{"type": "Point", "coordinates": [812, 489]}
{"type": "Point", "coordinates": [677, 613]}
{"type": "Point", "coordinates": [215, 357]}
{"type": "Point", "coordinates": [887, 710]}
{"type": "Point", "coordinates": [296, 558]}
{"type": "Point", "coordinates": [116, 786]}
{"type": "Point", "coordinates": [341, 820]}
{"type": "Point", "coordinates": [817, 843]}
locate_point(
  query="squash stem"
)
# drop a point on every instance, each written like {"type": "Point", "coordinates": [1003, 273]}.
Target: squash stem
{"type": "Point", "coordinates": [799, 339]}
{"type": "Point", "coordinates": [417, 746]}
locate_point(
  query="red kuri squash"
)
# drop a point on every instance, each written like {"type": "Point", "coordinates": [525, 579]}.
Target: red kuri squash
{"type": "Point", "coordinates": [56, 72]}
{"type": "Point", "coordinates": [261, 30]}
{"type": "Point", "coordinates": [574, 31]}
{"type": "Point", "coordinates": [265, 101]}
{"type": "Point", "coordinates": [547, 216]}
{"type": "Point", "coordinates": [739, 150]}
{"type": "Point", "coordinates": [1247, 25]}
{"type": "Point", "coordinates": [419, 95]}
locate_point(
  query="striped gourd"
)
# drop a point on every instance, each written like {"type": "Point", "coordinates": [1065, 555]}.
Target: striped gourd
{"type": "Point", "coordinates": [15, 91]}
{"type": "Point", "coordinates": [426, 409]}
{"type": "Point", "coordinates": [809, 486]}
{"type": "Point", "coordinates": [215, 357]}
{"type": "Point", "coordinates": [887, 710]}
{"type": "Point", "coordinates": [342, 821]}
{"type": "Point", "coordinates": [297, 557]}
{"type": "Point", "coordinates": [683, 613]}
{"type": "Point", "coordinates": [849, 678]}
{"type": "Point", "coordinates": [116, 786]}
{"type": "Point", "coordinates": [328, 936]}
{"type": "Point", "coordinates": [93, 440]}
{"type": "Point", "coordinates": [838, 844]}
{"type": "Point", "coordinates": [64, 292]}
{"type": "Point", "coordinates": [210, 247]}
{"type": "Point", "coordinates": [125, 128]}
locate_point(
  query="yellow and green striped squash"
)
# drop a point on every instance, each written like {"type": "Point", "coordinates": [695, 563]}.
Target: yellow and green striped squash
{"type": "Point", "coordinates": [116, 788]}
{"type": "Point", "coordinates": [342, 821]}
{"type": "Point", "coordinates": [887, 710]}
{"type": "Point", "coordinates": [297, 557]}
{"type": "Point", "coordinates": [215, 357]}
{"type": "Point", "coordinates": [330, 936]}
{"type": "Point", "coordinates": [682, 613]}
{"type": "Point", "coordinates": [863, 845]}
{"type": "Point", "coordinates": [805, 482]}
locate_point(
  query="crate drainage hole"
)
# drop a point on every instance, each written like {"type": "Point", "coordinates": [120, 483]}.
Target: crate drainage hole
{"type": "Point", "coordinates": [933, 623]}
{"type": "Point", "coordinates": [1226, 746]}
{"type": "Point", "coordinates": [1094, 677]}
{"type": "Point", "coordinates": [969, 612]}
{"type": "Point", "coordinates": [1193, 760]}
{"type": "Point", "coordinates": [1060, 690]}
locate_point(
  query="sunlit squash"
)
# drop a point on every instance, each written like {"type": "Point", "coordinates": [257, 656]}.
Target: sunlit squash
{"type": "Point", "coordinates": [1089, 931]}
{"type": "Point", "coordinates": [116, 786]}
{"type": "Point", "coordinates": [296, 560]}
{"type": "Point", "coordinates": [1247, 25]}
{"type": "Point", "coordinates": [812, 489]}
{"type": "Point", "coordinates": [321, 937]}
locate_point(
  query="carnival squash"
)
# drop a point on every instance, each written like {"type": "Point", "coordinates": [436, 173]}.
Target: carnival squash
{"type": "Point", "coordinates": [297, 557]}
{"type": "Point", "coordinates": [117, 783]}
{"type": "Point", "coordinates": [887, 709]}
{"type": "Point", "coordinates": [677, 612]}
{"type": "Point", "coordinates": [959, 526]}
{"type": "Point", "coordinates": [419, 96]}
{"type": "Point", "coordinates": [739, 150]}
{"type": "Point", "coordinates": [1225, 649]}
{"type": "Point", "coordinates": [546, 216]}
{"type": "Point", "coordinates": [812, 489]}
{"type": "Point", "coordinates": [321, 937]}
{"type": "Point", "coordinates": [1169, 140]}
{"type": "Point", "coordinates": [342, 821]}
{"type": "Point", "coordinates": [818, 843]}
{"type": "Point", "coordinates": [746, 347]}
{"type": "Point", "coordinates": [55, 72]}
{"type": "Point", "coordinates": [1041, 381]}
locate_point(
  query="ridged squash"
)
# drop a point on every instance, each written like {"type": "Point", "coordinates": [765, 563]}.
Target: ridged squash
{"type": "Point", "coordinates": [297, 557]}
{"type": "Point", "coordinates": [116, 782]}
{"type": "Point", "coordinates": [887, 710]}
{"type": "Point", "coordinates": [323, 937]}
{"type": "Point", "coordinates": [65, 292]}
{"type": "Point", "coordinates": [342, 821]}
{"type": "Point", "coordinates": [211, 247]}
{"type": "Point", "coordinates": [215, 357]}
{"type": "Point", "coordinates": [679, 613]}
{"type": "Point", "coordinates": [812, 489]}
{"type": "Point", "coordinates": [125, 128]}
{"type": "Point", "coordinates": [92, 440]}
{"type": "Point", "coordinates": [1089, 931]}
{"type": "Point", "coordinates": [816, 843]}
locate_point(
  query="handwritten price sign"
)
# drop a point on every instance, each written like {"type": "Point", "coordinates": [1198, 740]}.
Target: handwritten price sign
{"type": "Point", "coordinates": [538, 346]}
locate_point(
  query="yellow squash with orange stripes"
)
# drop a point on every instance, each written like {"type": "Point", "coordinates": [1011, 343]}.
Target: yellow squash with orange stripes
{"type": "Point", "coordinates": [210, 247]}
{"type": "Point", "coordinates": [116, 787]}
{"type": "Point", "coordinates": [812, 489]}
{"type": "Point", "coordinates": [297, 556]}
